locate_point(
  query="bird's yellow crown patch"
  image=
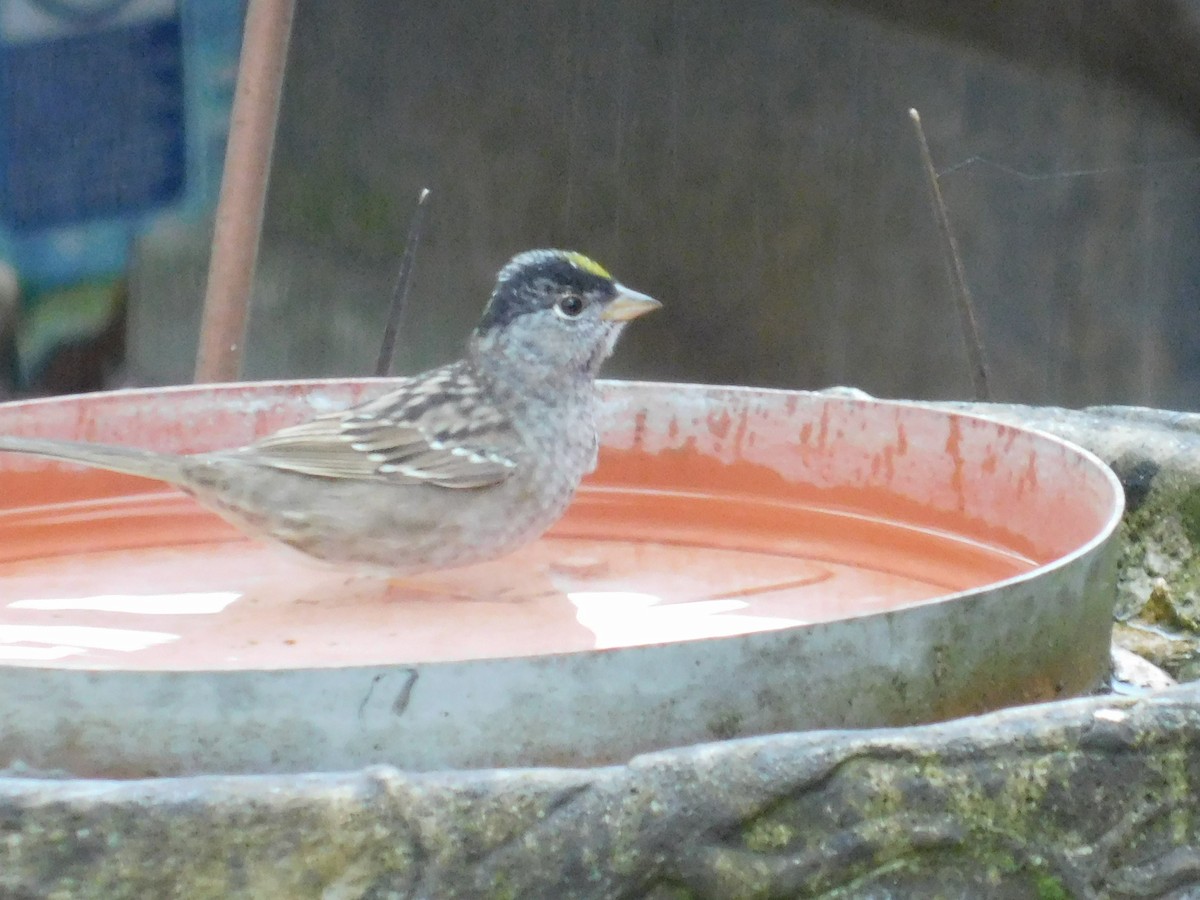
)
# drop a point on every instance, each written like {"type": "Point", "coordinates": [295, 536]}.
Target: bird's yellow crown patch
{"type": "Point", "coordinates": [579, 261]}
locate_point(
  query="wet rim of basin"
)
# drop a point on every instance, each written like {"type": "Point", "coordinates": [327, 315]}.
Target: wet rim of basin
{"type": "Point", "coordinates": [614, 420]}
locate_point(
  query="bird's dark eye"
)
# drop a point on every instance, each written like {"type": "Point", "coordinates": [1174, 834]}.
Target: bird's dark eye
{"type": "Point", "coordinates": [570, 306]}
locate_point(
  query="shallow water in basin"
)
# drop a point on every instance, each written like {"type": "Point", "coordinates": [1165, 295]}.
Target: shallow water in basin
{"type": "Point", "coordinates": [151, 581]}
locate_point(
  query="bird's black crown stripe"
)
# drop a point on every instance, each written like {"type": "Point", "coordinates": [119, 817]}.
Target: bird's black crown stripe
{"type": "Point", "coordinates": [516, 291]}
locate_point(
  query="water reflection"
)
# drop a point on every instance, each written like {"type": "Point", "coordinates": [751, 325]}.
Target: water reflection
{"type": "Point", "coordinates": [66, 640]}
{"type": "Point", "coordinates": [241, 606]}
{"type": "Point", "coordinates": [630, 618]}
{"type": "Point", "coordinates": [38, 654]}
{"type": "Point", "coordinates": [42, 643]}
{"type": "Point", "coordinates": [175, 604]}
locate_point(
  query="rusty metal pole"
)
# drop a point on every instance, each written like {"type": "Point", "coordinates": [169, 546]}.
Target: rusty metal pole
{"type": "Point", "coordinates": [243, 189]}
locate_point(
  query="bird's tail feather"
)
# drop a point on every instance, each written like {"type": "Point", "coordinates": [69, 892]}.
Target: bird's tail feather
{"type": "Point", "coordinates": [128, 460]}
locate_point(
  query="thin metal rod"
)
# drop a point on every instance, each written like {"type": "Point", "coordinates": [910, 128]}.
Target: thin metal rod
{"type": "Point", "coordinates": [239, 216]}
{"type": "Point", "coordinates": [387, 352]}
{"type": "Point", "coordinates": [954, 270]}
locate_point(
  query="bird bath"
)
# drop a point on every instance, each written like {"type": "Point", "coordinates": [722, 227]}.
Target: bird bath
{"type": "Point", "coordinates": [743, 561]}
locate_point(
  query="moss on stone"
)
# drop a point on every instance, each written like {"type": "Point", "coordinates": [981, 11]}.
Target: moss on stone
{"type": "Point", "coordinates": [1159, 580]}
{"type": "Point", "coordinates": [765, 836]}
{"type": "Point", "coordinates": [1050, 888]}
{"type": "Point", "coordinates": [1189, 514]}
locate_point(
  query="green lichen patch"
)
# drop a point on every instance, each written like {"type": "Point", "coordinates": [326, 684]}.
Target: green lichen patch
{"type": "Point", "coordinates": [764, 836]}
{"type": "Point", "coordinates": [1159, 576]}
{"type": "Point", "coordinates": [1189, 514]}
{"type": "Point", "coordinates": [1050, 888]}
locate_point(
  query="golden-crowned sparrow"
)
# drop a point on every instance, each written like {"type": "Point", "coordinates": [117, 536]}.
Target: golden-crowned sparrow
{"type": "Point", "coordinates": [456, 465]}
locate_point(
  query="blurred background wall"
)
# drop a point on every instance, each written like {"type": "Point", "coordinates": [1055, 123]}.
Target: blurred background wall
{"type": "Point", "coordinates": [753, 166]}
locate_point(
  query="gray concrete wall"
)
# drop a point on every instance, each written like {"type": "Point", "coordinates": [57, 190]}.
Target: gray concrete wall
{"type": "Point", "coordinates": [750, 164]}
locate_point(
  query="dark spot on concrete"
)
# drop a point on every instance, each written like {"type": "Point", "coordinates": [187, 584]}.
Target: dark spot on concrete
{"type": "Point", "coordinates": [400, 704]}
{"type": "Point", "coordinates": [1137, 477]}
{"type": "Point", "coordinates": [1107, 737]}
{"type": "Point", "coordinates": [725, 726]}
{"type": "Point", "coordinates": [366, 699]}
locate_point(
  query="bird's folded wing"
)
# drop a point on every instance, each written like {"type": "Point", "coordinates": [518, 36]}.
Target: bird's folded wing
{"type": "Point", "coordinates": [442, 432]}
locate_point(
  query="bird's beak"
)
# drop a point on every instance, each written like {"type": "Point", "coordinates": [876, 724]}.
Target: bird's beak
{"type": "Point", "coordinates": [628, 305]}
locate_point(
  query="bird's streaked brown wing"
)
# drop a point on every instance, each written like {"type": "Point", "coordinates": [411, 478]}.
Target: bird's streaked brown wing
{"type": "Point", "coordinates": [437, 428]}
